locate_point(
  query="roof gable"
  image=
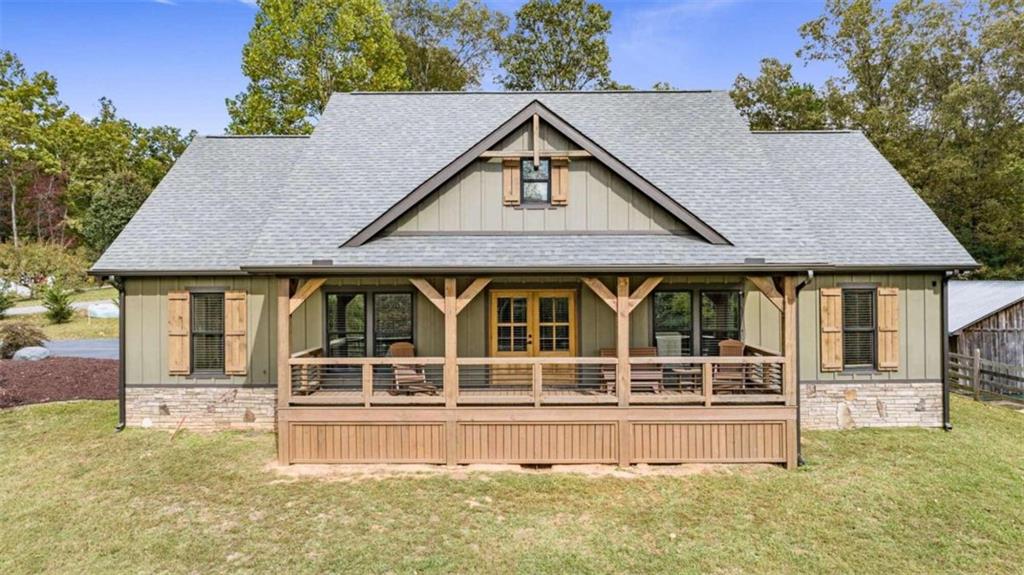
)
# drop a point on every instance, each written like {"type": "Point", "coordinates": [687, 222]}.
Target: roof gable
{"type": "Point", "coordinates": [534, 108]}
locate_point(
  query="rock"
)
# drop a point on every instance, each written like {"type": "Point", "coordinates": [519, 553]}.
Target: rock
{"type": "Point", "coordinates": [32, 353]}
{"type": "Point", "coordinates": [844, 417]}
{"type": "Point", "coordinates": [15, 289]}
{"type": "Point", "coordinates": [103, 310]}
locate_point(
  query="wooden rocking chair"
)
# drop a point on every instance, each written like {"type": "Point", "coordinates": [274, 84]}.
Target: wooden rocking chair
{"type": "Point", "coordinates": [640, 376]}
{"type": "Point", "coordinates": [410, 379]}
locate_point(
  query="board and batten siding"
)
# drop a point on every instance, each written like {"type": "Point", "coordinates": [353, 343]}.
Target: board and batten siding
{"type": "Point", "coordinates": [599, 200]}
{"type": "Point", "coordinates": [146, 337]}
{"type": "Point", "coordinates": [920, 330]}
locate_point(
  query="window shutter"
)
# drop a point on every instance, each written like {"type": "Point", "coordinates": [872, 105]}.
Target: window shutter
{"type": "Point", "coordinates": [888, 328]}
{"type": "Point", "coordinates": [559, 181]}
{"type": "Point", "coordinates": [178, 326]}
{"type": "Point", "coordinates": [235, 347]}
{"type": "Point", "coordinates": [510, 179]}
{"type": "Point", "coordinates": [831, 329]}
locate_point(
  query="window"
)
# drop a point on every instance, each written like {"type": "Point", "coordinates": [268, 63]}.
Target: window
{"type": "Point", "coordinates": [536, 181]}
{"type": "Point", "coordinates": [673, 323]}
{"type": "Point", "coordinates": [858, 328]}
{"type": "Point", "coordinates": [719, 319]}
{"type": "Point", "coordinates": [207, 332]}
{"type": "Point", "coordinates": [677, 325]}
{"type": "Point", "coordinates": [554, 323]}
{"type": "Point", "coordinates": [361, 324]}
{"type": "Point", "coordinates": [392, 321]}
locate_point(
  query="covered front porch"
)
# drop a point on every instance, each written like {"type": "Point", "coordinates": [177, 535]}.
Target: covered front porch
{"type": "Point", "coordinates": [583, 369]}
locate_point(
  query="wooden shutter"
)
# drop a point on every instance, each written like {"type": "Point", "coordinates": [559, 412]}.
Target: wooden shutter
{"type": "Point", "coordinates": [888, 307]}
{"type": "Point", "coordinates": [510, 181]}
{"type": "Point", "coordinates": [559, 181]}
{"type": "Point", "coordinates": [235, 321]}
{"type": "Point", "coordinates": [179, 360]}
{"type": "Point", "coordinates": [831, 329]}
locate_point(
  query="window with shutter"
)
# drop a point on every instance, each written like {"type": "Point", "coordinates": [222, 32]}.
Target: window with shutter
{"type": "Point", "coordinates": [207, 332]}
{"type": "Point", "coordinates": [858, 328]}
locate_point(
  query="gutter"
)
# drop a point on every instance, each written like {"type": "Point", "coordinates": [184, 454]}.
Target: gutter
{"type": "Point", "coordinates": [122, 413]}
{"type": "Point", "coordinates": [796, 366]}
{"type": "Point", "coordinates": [947, 423]}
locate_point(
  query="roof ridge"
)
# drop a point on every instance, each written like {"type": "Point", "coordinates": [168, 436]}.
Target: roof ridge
{"type": "Point", "coordinates": [824, 131]}
{"type": "Point", "coordinates": [252, 136]}
{"type": "Point", "coordinates": [521, 92]}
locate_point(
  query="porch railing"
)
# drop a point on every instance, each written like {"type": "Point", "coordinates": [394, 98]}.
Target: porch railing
{"type": "Point", "coordinates": [537, 381]}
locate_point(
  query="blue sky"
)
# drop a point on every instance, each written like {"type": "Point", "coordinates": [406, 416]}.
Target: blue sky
{"type": "Point", "coordinates": [174, 61]}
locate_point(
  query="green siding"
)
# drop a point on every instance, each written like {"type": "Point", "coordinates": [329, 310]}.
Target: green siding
{"type": "Point", "coordinates": [920, 329]}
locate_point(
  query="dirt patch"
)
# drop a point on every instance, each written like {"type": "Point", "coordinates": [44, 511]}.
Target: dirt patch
{"type": "Point", "coordinates": [56, 379]}
{"type": "Point", "coordinates": [363, 472]}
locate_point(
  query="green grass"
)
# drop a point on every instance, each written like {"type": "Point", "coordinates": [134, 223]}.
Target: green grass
{"type": "Point", "coordinates": [97, 294]}
{"type": "Point", "coordinates": [76, 497]}
{"type": "Point", "coordinates": [80, 326]}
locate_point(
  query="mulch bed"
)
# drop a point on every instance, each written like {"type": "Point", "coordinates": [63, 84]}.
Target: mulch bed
{"type": "Point", "coordinates": [56, 379]}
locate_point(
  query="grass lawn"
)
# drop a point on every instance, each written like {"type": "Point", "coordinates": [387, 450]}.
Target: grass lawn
{"type": "Point", "coordinates": [74, 496]}
{"type": "Point", "coordinates": [80, 327]}
{"type": "Point", "coordinates": [98, 294]}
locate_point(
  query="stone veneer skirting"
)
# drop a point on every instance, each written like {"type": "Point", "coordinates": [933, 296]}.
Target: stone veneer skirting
{"type": "Point", "coordinates": [203, 408]}
{"type": "Point", "coordinates": [846, 405]}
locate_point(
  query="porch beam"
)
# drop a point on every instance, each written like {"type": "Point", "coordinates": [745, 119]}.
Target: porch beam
{"type": "Point", "coordinates": [305, 290]}
{"type": "Point", "coordinates": [451, 369]}
{"type": "Point", "coordinates": [284, 372]}
{"type": "Point", "coordinates": [470, 292]}
{"type": "Point", "coordinates": [766, 285]}
{"type": "Point", "coordinates": [602, 292]}
{"type": "Point", "coordinates": [429, 292]}
{"type": "Point", "coordinates": [643, 291]}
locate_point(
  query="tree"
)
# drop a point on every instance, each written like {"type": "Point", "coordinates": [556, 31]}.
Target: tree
{"type": "Point", "coordinates": [937, 89]}
{"type": "Point", "coordinates": [774, 101]}
{"type": "Point", "coordinates": [299, 53]}
{"type": "Point", "coordinates": [446, 47]}
{"type": "Point", "coordinates": [662, 86]}
{"type": "Point", "coordinates": [110, 210]}
{"type": "Point", "coordinates": [28, 104]}
{"type": "Point", "coordinates": [557, 45]}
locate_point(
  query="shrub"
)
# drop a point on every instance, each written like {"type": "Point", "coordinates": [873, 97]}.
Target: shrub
{"type": "Point", "coordinates": [36, 264]}
{"type": "Point", "coordinates": [6, 302]}
{"type": "Point", "coordinates": [14, 336]}
{"type": "Point", "coordinates": [57, 302]}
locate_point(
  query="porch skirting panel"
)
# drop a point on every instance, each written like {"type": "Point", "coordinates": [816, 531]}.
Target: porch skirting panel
{"type": "Point", "coordinates": [538, 435]}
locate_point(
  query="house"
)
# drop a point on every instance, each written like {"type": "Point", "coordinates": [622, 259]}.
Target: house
{"type": "Point", "coordinates": [601, 277]}
{"type": "Point", "coordinates": [987, 316]}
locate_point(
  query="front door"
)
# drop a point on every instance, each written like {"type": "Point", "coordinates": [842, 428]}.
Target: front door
{"type": "Point", "coordinates": [533, 323]}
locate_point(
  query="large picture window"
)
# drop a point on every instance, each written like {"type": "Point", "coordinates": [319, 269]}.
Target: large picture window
{"type": "Point", "coordinates": [677, 325]}
{"type": "Point", "coordinates": [367, 323]}
{"type": "Point", "coordinates": [207, 332]}
{"type": "Point", "coordinates": [859, 328]}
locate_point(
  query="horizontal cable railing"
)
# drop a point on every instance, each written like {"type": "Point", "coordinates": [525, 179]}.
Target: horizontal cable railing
{"type": "Point", "coordinates": [538, 380]}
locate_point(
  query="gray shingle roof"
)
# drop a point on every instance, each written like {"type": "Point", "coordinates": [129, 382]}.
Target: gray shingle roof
{"type": "Point", "coordinates": [783, 197]}
{"type": "Point", "coordinates": [971, 301]}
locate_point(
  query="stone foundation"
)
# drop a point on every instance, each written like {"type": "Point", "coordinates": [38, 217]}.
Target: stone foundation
{"type": "Point", "coordinates": [203, 408]}
{"type": "Point", "coordinates": [870, 404]}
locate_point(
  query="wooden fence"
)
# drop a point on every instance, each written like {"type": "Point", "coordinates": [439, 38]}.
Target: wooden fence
{"type": "Point", "coordinates": [985, 379]}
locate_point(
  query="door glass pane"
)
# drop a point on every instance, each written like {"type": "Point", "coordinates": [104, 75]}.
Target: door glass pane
{"type": "Point", "coordinates": [554, 310]}
{"type": "Point", "coordinates": [547, 338]}
{"type": "Point", "coordinates": [346, 325]}
{"type": "Point", "coordinates": [562, 338]}
{"type": "Point", "coordinates": [519, 338]}
{"type": "Point", "coordinates": [392, 320]}
{"type": "Point", "coordinates": [519, 310]}
{"type": "Point", "coordinates": [504, 338]}
{"type": "Point", "coordinates": [719, 319]}
{"type": "Point", "coordinates": [673, 323]}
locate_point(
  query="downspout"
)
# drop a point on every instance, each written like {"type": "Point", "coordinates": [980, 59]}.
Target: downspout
{"type": "Point", "coordinates": [122, 413]}
{"type": "Point", "coordinates": [947, 424]}
{"type": "Point", "coordinates": [796, 367]}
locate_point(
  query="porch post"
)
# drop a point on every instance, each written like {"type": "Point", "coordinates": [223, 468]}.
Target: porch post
{"type": "Point", "coordinates": [284, 387]}
{"type": "Point", "coordinates": [451, 370]}
{"type": "Point", "coordinates": [622, 341]}
{"type": "Point", "coordinates": [789, 366]}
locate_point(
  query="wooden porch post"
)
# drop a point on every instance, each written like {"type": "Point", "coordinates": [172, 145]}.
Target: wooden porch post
{"type": "Point", "coordinates": [451, 369]}
{"type": "Point", "coordinates": [789, 366]}
{"type": "Point", "coordinates": [622, 340]}
{"type": "Point", "coordinates": [284, 373]}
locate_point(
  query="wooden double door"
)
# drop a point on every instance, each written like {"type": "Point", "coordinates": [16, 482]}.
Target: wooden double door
{"type": "Point", "coordinates": [533, 323]}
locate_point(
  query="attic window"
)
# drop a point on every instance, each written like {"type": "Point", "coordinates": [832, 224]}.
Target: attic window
{"type": "Point", "coordinates": [536, 181]}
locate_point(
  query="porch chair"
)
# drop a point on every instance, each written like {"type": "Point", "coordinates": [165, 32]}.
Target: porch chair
{"type": "Point", "coordinates": [409, 379]}
{"type": "Point", "coordinates": [731, 378]}
{"type": "Point", "coordinates": [642, 376]}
